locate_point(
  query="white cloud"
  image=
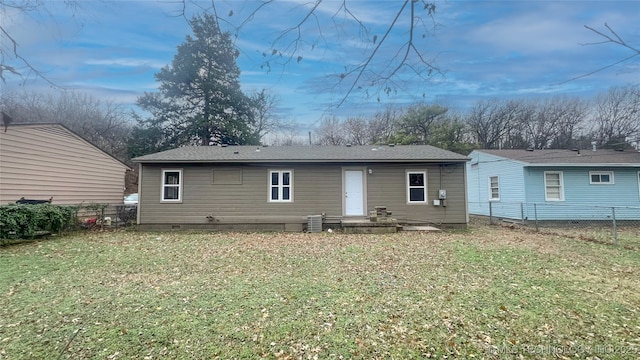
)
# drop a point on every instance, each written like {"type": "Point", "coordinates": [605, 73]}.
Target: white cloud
{"type": "Point", "coordinates": [488, 48]}
{"type": "Point", "coordinates": [126, 62]}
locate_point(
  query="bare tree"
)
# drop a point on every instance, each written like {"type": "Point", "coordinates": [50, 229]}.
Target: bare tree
{"type": "Point", "coordinates": [330, 132]}
{"type": "Point", "coordinates": [286, 136]}
{"type": "Point", "coordinates": [356, 130]}
{"type": "Point", "coordinates": [616, 115]}
{"type": "Point", "coordinates": [490, 121]}
{"type": "Point", "coordinates": [265, 106]}
{"type": "Point", "coordinates": [518, 132]}
{"type": "Point", "coordinates": [382, 126]}
{"type": "Point", "coordinates": [571, 114]}
{"type": "Point", "coordinates": [359, 130]}
{"type": "Point", "coordinates": [103, 123]}
{"type": "Point", "coordinates": [549, 123]}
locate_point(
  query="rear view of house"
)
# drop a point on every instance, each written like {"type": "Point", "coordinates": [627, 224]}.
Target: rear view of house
{"type": "Point", "coordinates": [48, 161]}
{"type": "Point", "coordinates": [277, 188]}
{"type": "Point", "coordinates": [555, 184]}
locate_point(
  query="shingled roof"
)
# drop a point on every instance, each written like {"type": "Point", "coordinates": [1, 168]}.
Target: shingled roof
{"type": "Point", "coordinates": [339, 154]}
{"type": "Point", "coordinates": [601, 157]}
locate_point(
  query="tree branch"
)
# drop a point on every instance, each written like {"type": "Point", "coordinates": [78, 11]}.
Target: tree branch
{"type": "Point", "coordinates": [614, 38]}
{"type": "Point", "coordinates": [287, 46]}
{"type": "Point", "coordinates": [364, 66]}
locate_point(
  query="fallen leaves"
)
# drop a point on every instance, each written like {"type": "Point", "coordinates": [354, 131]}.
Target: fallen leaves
{"type": "Point", "coordinates": [290, 296]}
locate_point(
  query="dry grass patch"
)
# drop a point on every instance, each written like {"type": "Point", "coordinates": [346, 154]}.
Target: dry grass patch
{"type": "Point", "coordinates": [487, 293]}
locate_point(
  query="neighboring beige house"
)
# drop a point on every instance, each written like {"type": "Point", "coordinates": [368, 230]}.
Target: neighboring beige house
{"type": "Point", "coordinates": [43, 161]}
{"type": "Point", "coordinates": [276, 188]}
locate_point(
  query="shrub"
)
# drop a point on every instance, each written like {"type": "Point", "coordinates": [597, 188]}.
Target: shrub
{"type": "Point", "coordinates": [19, 221]}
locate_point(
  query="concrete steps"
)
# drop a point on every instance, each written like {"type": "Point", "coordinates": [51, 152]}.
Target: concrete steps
{"type": "Point", "coordinates": [365, 226]}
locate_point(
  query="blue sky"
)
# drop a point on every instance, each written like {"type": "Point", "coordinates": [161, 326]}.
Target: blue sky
{"type": "Point", "coordinates": [483, 49]}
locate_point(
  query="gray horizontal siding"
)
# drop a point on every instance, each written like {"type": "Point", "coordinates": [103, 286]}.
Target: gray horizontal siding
{"type": "Point", "coordinates": [202, 198]}
{"type": "Point", "coordinates": [387, 187]}
{"type": "Point", "coordinates": [316, 189]}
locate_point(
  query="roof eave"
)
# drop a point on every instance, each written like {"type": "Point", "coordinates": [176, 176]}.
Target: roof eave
{"type": "Point", "coordinates": [245, 161]}
{"type": "Point", "coordinates": [631, 165]}
{"type": "Point", "coordinates": [503, 158]}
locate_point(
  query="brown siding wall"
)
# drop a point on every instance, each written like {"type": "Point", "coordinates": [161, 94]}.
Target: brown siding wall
{"type": "Point", "coordinates": [316, 189]}
{"type": "Point", "coordinates": [387, 187]}
{"type": "Point", "coordinates": [44, 161]}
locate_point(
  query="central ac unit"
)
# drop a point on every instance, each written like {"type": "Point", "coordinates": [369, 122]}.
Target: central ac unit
{"type": "Point", "coordinates": [314, 223]}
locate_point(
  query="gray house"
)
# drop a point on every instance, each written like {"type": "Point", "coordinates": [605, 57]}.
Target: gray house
{"type": "Point", "coordinates": [276, 188]}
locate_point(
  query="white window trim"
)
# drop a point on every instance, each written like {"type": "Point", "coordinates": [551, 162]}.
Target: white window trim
{"type": "Point", "coordinates": [490, 189]}
{"type": "Point", "coordinates": [561, 178]}
{"type": "Point", "coordinates": [409, 187]}
{"type": "Point", "coordinates": [280, 185]}
{"type": "Point", "coordinates": [180, 182]}
{"type": "Point", "coordinates": [610, 173]}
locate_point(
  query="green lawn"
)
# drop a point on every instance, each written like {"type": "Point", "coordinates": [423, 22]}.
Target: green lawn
{"type": "Point", "coordinates": [487, 293]}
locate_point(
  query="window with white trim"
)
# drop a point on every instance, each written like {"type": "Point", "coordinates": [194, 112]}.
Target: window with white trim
{"type": "Point", "coordinates": [553, 188]}
{"type": "Point", "coordinates": [600, 177]}
{"type": "Point", "coordinates": [172, 185]}
{"type": "Point", "coordinates": [281, 186]}
{"type": "Point", "coordinates": [416, 187]}
{"type": "Point", "coordinates": [494, 188]}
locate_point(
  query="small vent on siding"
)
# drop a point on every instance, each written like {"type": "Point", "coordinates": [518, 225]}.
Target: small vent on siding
{"type": "Point", "coordinates": [314, 223]}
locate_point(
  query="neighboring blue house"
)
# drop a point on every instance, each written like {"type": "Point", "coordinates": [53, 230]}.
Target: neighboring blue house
{"type": "Point", "coordinates": [554, 184]}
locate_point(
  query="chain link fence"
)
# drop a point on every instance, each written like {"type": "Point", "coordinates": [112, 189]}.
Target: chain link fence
{"type": "Point", "coordinates": [619, 225]}
{"type": "Point", "coordinates": [107, 216]}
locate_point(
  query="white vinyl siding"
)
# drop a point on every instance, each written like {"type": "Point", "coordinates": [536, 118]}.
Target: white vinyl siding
{"type": "Point", "coordinates": [416, 187]}
{"type": "Point", "coordinates": [171, 185]}
{"type": "Point", "coordinates": [553, 186]}
{"type": "Point", "coordinates": [600, 177]}
{"type": "Point", "coordinates": [280, 186]}
{"type": "Point", "coordinates": [494, 188]}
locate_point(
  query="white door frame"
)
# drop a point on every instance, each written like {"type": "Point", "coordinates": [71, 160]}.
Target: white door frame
{"type": "Point", "coordinates": [363, 170]}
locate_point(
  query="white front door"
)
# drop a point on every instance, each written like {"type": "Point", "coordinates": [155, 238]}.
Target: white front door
{"type": "Point", "coordinates": [353, 193]}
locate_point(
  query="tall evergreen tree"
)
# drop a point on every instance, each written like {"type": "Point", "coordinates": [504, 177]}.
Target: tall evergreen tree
{"type": "Point", "coordinates": [199, 101]}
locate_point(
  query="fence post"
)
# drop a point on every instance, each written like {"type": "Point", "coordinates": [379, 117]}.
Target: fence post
{"type": "Point", "coordinates": [614, 227]}
{"type": "Point", "coordinates": [490, 213]}
{"type": "Point", "coordinates": [102, 218]}
{"type": "Point", "coordinates": [535, 214]}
